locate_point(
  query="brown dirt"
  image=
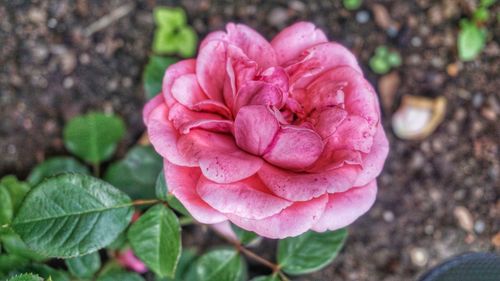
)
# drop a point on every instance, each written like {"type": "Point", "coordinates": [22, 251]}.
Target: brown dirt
{"type": "Point", "coordinates": [50, 72]}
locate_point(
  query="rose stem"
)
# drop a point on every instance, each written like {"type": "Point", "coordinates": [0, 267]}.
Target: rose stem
{"type": "Point", "coordinates": [145, 202]}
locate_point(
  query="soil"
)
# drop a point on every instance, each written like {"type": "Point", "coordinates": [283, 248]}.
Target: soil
{"type": "Point", "coordinates": [437, 197]}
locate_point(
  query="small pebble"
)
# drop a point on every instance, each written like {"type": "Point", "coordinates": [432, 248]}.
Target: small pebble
{"type": "Point", "coordinates": [495, 240]}
{"type": "Point", "coordinates": [429, 229]}
{"type": "Point", "coordinates": [52, 23]}
{"type": "Point", "coordinates": [477, 100]}
{"type": "Point", "coordinates": [416, 41]}
{"type": "Point", "coordinates": [388, 216]}
{"type": "Point", "coordinates": [362, 16]}
{"type": "Point", "coordinates": [464, 218]}
{"type": "Point", "coordinates": [479, 226]}
{"type": "Point", "coordinates": [419, 256]}
{"type": "Point", "coordinates": [68, 83]}
{"type": "Point", "coordinates": [277, 17]}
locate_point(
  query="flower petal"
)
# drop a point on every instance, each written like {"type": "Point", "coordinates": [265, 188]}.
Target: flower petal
{"type": "Point", "coordinates": [255, 128]}
{"type": "Point", "coordinates": [211, 68]}
{"type": "Point", "coordinates": [292, 221]}
{"type": "Point", "coordinates": [294, 148]}
{"type": "Point", "coordinates": [252, 43]}
{"type": "Point", "coordinates": [258, 93]}
{"type": "Point", "coordinates": [187, 91]}
{"type": "Point", "coordinates": [353, 133]}
{"type": "Point", "coordinates": [219, 158]}
{"type": "Point", "coordinates": [344, 208]}
{"type": "Point", "coordinates": [291, 41]}
{"type": "Point", "coordinates": [150, 106]}
{"type": "Point", "coordinates": [182, 183]}
{"type": "Point", "coordinates": [373, 162]}
{"type": "Point", "coordinates": [172, 73]}
{"type": "Point", "coordinates": [247, 198]}
{"type": "Point", "coordinates": [180, 116]}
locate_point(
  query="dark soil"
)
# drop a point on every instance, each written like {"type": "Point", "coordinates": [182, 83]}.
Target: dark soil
{"type": "Point", "coordinates": [50, 71]}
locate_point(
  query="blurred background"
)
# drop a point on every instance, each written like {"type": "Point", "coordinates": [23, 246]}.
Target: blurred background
{"type": "Point", "coordinates": [439, 194]}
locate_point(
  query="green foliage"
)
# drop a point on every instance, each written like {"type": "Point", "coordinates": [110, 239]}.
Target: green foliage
{"type": "Point", "coordinates": [218, 265]}
{"type": "Point", "coordinates": [156, 239]}
{"type": "Point", "coordinates": [77, 215]}
{"type": "Point", "coordinates": [26, 277]}
{"type": "Point", "coordinates": [94, 136]}
{"type": "Point", "coordinates": [187, 258]}
{"type": "Point", "coordinates": [13, 245]}
{"type": "Point", "coordinates": [7, 208]}
{"type": "Point", "coordinates": [162, 194]}
{"type": "Point", "coordinates": [55, 166]}
{"type": "Point", "coordinates": [16, 189]}
{"type": "Point", "coordinates": [136, 174]}
{"type": "Point", "coordinates": [84, 267]}
{"type": "Point", "coordinates": [384, 60]}
{"type": "Point", "coordinates": [153, 74]}
{"type": "Point", "coordinates": [471, 40]}
{"type": "Point", "coordinates": [352, 4]}
{"type": "Point", "coordinates": [245, 237]}
{"type": "Point", "coordinates": [119, 275]}
{"type": "Point", "coordinates": [172, 34]}
{"type": "Point", "coordinates": [310, 251]}
{"type": "Point", "coordinates": [9, 262]}
{"type": "Point", "coordinates": [47, 272]}
{"type": "Point", "coordinates": [266, 278]}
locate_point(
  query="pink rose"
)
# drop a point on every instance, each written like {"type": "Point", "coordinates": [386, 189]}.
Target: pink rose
{"type": "Point", "coordinates": [128, 260]}
{"type": "Point", "coordinates": [278, 137]}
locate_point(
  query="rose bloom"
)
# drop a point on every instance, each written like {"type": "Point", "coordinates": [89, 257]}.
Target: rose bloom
{"type": "Point", "coordinates": [278, 138]}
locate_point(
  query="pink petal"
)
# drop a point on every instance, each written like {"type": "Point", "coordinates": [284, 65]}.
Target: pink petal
{"type": "Point", "coordinates": [305, 186]}
{"type": "Point", "coordinates": [211, 106]}
{"type": "Point", "coordinates": [291, 41]}
{"type": "Point", "coordinates": [217, 126]}
{"type": "Point", "coordinates": [255, 128]}
{"type": "Point", "coordinates": [328, 120]}
{"type": "Point", "coordinates": [163, 136]}
{"type": "Point", "coordinates": [276, 76]}
{"type": "Point", "coordinates": [213, 36]}
{"type": "Point", "coordinates": [344, 208]}
{"type": "Point", "coordinates": [373, 162]}
{"type": "Point", "coordinates": [258, 93]}
{"type": "Point", "coordinates": [240, 69]}
{"type": "Point", "coordinates": [182, 183]}
{"type": "Point", "coordinates": [353, 133]}
{"type": "Point", "coordinates": [332, 159]}
{"type": "Point", "coordinates": [173, 72]}
{"type": "Point", "coordinates": [218, 156]}
{"type": "Point", "coordinates": [180, 116]}
{"type": "Point", "coordinates": [318, 59]}
{"type": "Point", "coordinates": [294, 148]}
{"type": "Point", "coordinates": [225, 229]}
{"type": "Point", "coordinates": [150, 106]}
{"type": "Point", "coordinates": [292, 221]}
{"type": "Point", "coordinates": [186, 90]}
{"type": "Point", "coordinates": [247, 198]}
{"type": "Point", "coordinates": [129, 260]}
{"type": "Point", "coordinates": [211, 68]}
{"type": "Point", "coordinates": [252, 43]}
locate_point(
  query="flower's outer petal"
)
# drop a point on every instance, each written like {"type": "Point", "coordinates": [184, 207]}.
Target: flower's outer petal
{"type": "Point", "coordinates": [214, 36]}
{"type": "Point", "coordinates": [292, 221]}
{"type": "Point", "coordinates": [305, 186]}
{"type": "Point", "coordinates": [247, 198]}
{"type": "Point", "coordinates": [211, 68]}
{"type": "Point", "coordinates": [255, 128]}
{"type": "Point", "coordinates": [217, 126]}
{"type": "Point", "coordinates": [187, 91]}
{"type": "Point", "coordinates": [252, 43]}
{"type": "Point", "coordinates": [150, 106]}
{"type": "Point", "coordinates": [225, 229]}
{"type": "Point", "coordinates": [353, 133]}
{"type": "Point", "coordinates": [318, 59]}
{"type": "Point", "coordinates": [182, 182]}
{"type": "Point", "coordinates": [294, 148]}
{"type": "Point", "coordinates": [180, 115]}
{"type": "Point", "coordinates": [164, 136]}
{"type": "Point", "coordinates": [172, 73]}
{"type": "Point", "coordinates": [373, 162]}
{"type": "Point", "coordinates": [293, 40]}
{"type": "Point", "coordinates": [344, 208]}
{"type": "Point", "coordinates": [219, 158]}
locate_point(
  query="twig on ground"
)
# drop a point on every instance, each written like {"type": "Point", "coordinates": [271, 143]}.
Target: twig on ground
{"type": "Point", "coordinates": [108, 19]}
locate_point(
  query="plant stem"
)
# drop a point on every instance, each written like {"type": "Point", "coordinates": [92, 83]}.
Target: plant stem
{"type": "Point", "coordinates": [186, 221]}
{"type": "Point", "coordinates": [96, 169]}
{"type": "Point", "coordinates": [145, 202]}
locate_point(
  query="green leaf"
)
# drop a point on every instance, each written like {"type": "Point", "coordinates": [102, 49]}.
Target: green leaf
{"type": "Point", "coordinates": [10, 262]}
{"type": "Point", "coordinates": [156, 239]}
{"type": "Point", "coordinates": [153, 74]}
{"type": "Point", "coordinates": [119, 243]}
{"type": "Point", "coordinates": [164, 41]}
{"type": "Point", "coordinates": [17, 190]}
{"type": "Point", "coordinates": [244, 236]}
{"type": "Point", "coordinates": [169, 18]}
{"type": "Point", "coordinates": [161, 187]}
{"type": "Point", "coordinates": [137, 173]}
{"type": "Point", "coordinates": [352, 4]}
{"type": "Point", "coordinates": [119, 275]}
{"type": "Point", "coordinates": [394, 59]}
{"type": "Point", "coordinates": [6, 206]}
{"type": "Point", "coordinates": [187, 258]}
{"type": "Point", "coordinates": [186, 40]}
{"type": "Point", "coordinates": [94, 136]}
{"type": "Point", "coordinates": [487, 3]}
{"type": "Point", "coordinates": [26, 277]}
{"type": "Point", "coordinates": [471, 41]}
{"type": "Point", "coordinates": [379, 65]}
{"type": "Point", "coordinates": [15, 246]}
{"type": "Point", "coordinates": [84, 267]}
{"type": "Point", "coordinates": [47, 272]}
{"type": "Point", "coordinates": [480, 15]}
{"type": "Point", "coordinates": [55, 166]}
{"type": "Point", "coordinates": [266, 278]}
{"type": "Point", "coordinates": [218, 265]}
{"type": "Point", "coordinates": [72, 215]}
{"type": "Point", "coordinates": [310, 251]}
{"type": "Point", "coordinates": [382, 51]}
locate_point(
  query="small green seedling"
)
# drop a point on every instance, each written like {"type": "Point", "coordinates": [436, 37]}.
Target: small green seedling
{"type": "Point", "coordinates": [384, 60]}
{"type": "Point", "coordinates": [173, 35]}
{"type": "Point", "coordinates": [352, 4]}
{"type": "Point", "coordinates": [472, 35]}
